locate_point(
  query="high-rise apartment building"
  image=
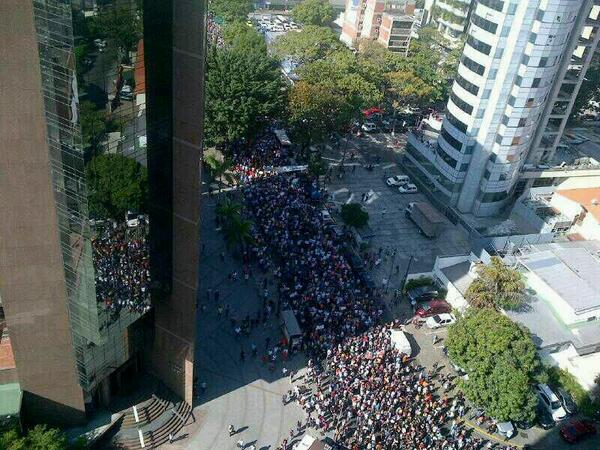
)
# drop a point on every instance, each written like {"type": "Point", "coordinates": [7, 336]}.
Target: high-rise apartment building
{"type": "Point", "coordinates": [363, 19]}
{"type": "Point", "coordinates": [90, 305]}
{"type": "Point", "coordinates": [519, 73]}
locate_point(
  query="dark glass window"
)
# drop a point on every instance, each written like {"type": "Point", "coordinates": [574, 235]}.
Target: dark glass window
{"type": "Point", "coordinates": [494, 4]}
{"type": "Point", "coordinates": [457, 123]}
{"type": "Point", "coordinates": [454, 143]}
{"type": "Point", "coordinates": [446, 157]}
{"type": "Point", "coordinates": [484, 23]}
{"type": "Point", "coordinates": [479, 46]}
{"type": "Point", "coordinates": [472, 65]}
{"type": "Point", "coordinates": [467, 85]}
{"type": "Point", "coordinates": [461, 103]}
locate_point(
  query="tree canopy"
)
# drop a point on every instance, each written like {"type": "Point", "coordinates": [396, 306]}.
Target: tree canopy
{"type": "Point", "coordinates": [39, 437]}
{"type": "Point", "coordinates": [230, 10]}
{"type": "Point", "coordinates": [313, 12]}
{"type": "Point", "coordinates": [497, 286]}
{"type": "Point", "coordinates": [241, 35]}
{"type": "Point", "coordinates": [501, 361]}
{"type": "Point", "coordinates": [121, 24]}
{"type": "Point", "coordinates": [310, 44]}
{"type": "Point", "coordinates": [354, 215]}
{"type": "Point", "coordinates": [116, 184]}
{"type": "Point", "coordinates": [244, 90]}
{"type": "Point", "coordinates": [588, 98]}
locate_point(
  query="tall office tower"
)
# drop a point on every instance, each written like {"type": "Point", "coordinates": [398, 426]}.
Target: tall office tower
{"type": "Point", "coordinates": [99, 107]}
{"type": "Point", "coordinates": [516, 62]}
{"type": "Point", "coordinates": [451, 17]}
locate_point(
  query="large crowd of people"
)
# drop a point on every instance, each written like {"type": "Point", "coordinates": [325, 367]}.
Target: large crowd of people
{"type": "Point", "coordinates": [373, 396]}
{"type": "Point", "coordinates": [366, 393]}
{"type": "Point", "coordinates": [314, 277]}
{"type": "Point", "coordinates": [122, 269]}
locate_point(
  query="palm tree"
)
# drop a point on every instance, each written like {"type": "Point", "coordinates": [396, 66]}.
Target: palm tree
{"type": "Point", "coordinates": [497, 286]}
{"type": "Point", "coordinates": [238, 233]}
{"type": "Point", "coordinates": [228, 211]}
{"type": "Point", "coordinates": [219, 169]}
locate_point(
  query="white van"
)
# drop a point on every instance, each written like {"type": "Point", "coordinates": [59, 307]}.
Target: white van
{"type": "Point", "coordinates": [550, 402]}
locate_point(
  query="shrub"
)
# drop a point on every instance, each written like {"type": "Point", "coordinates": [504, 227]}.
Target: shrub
{"type": "Point", "coordinates": [354, 215]}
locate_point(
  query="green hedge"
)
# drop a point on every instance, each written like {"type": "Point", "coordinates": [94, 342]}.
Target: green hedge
{"type": "Point", "coordinates": [558, 377]}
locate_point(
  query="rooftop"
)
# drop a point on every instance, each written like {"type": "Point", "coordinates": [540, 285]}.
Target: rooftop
{"type": "Point", "coordinates": [459, 275]}
{"type": "Point", "coordinates": [570, 271]}
{"type": "Point", "coordinates": [589, 198]}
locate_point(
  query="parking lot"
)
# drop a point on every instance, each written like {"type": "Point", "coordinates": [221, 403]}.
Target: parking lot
{"type": "Point", "coordinates": [392, 230]}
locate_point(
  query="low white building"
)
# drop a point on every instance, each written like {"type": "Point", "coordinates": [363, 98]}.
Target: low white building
{"type": "Point", "coordinates": [562, 307]}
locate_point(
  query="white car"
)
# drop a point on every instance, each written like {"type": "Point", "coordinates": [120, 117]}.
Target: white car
{"type": "Point", "coordinates": [408, 189]}
{"type": "Point", "coordinates": [440, 320]}
{"type": "Point", "coordinates": [369, 127]}
{"type": "Point", "coordinates": [550, 402]}
{"type": "Point", "coordinates": [397, 180]}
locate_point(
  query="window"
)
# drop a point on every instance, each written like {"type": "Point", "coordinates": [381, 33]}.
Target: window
{"type": "Point", "coordinates": [487, 174]}
{"type": "Point", "coordinates": [454, 143]}
{"type": "Point", "coordinates": [529, 102]}
{"type": "Point", "coordinates": [484, 24]}
{"type": "Point", "coordinates": [464, 167]}
{"type": "Point", "coordinates": [532, 37]}
{"type": "Point", "coordinates": [543, 62]}
{"type": "Point", "coordinates": [446, 157]}
{"type": "Point", "coordinates": [492, 197]}
{"type": "Point", "coordinates": [498, 139]}
{"type": "Point", "coordinates": [505, 31]}
{"type": "Point", "coordinates": [472, 65]}
{"type": "Point", "coordinates": [522, 122]}
{"type": "Point", "coordinates": [466, 85]}
{"type": "Point", "coordinates": [478, 45]}
{"type": "Point", "coordinates": [536, 82]}
{"type": "Point", "coordinates": [461, 103]}
{"type": "Point", "coordinates": [512, 100]}
{"type": "Point", "coordinates": [519, 80]}
{"type": "Point", "coordinates": [486, 94]}
{"type": "Point", "coordinates": [505, 119]}
{"type": "Point", "coordinates": [469, 149]}
{"type": "Point", "coordinates": [494, 4]}
{"type": "Point", "coordinates": [516, 140]}
{"type": "Point", "coordinates": [456, 123]}
{"type": "Point", "coordinates": [540, 15]}
{"type": "Point", "coordinates": [525, 59]}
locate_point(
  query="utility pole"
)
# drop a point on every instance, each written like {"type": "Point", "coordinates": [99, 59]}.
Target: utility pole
{"type": "Point", "coordinates": [391, 270]}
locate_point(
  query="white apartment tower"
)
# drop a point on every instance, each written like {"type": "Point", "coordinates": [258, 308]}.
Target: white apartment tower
{"type": "Point", "coordinates": [519, 73]}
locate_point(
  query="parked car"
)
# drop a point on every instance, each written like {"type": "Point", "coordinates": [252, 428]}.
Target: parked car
{"type": "Point", "coordinates": [544, 418]}
{"type": "Point", "coordinates": [567, 401]}
{"type": "Point", "coordinates": [506, 429]}
{"type": "Point", "coordinates": [440, 320]}
{"type": "Point", "coordinates": [422, 293]}
{"type": "Point", "coordinates": [577, 430]}
{"type": "Point", "coordinates": [369, 127]}
{"type": "Point", "coordinates": [408, 189]}
{"type": "Point", "coordinates": [551, 402]}
{"type": "Point", "coordinates": [432, 308]}
{"type": "Point", "coordinates": [398, 180]}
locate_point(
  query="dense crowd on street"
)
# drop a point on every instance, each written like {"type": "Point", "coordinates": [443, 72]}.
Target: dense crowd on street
{"type": "Point", "coordinates": [373, 396]}
{"type": "Point", "coordinates": [314, 277]}
{"type": "Point", "coordinates": [213, 31]}
{"type": "Point", "coordinates": [122, 269]}
{"type": "Point", "coordinates": [366, 393]}
{"type": "Point", "coordinates": [257, 160]}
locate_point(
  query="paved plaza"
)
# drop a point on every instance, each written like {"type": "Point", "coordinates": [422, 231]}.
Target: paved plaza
{"type": "Point", "coordinates": [244, 394]}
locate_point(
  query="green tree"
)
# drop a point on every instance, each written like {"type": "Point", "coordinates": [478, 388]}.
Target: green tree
{"type": "Point", "coordinates": [354, 215]}
{"type": "Point", "coordinates": [229, 211]}
{"type": "Point", "coordinates": [310, 44]}
{"type": "Point", "coordinates": [315, 110]}
{"type": "Point", "coordinates": [316, 166]}
{"type": "Point", "coordinates": [238, 233]}
{"type": "Point", "coordinates": [342, 74]}
{"type": "Point", "coordinates": [38, 438]}
{"type": "Point", "coordinates": [242, 35]}
{"type": "Point", "coordinates": [116, 184]}
{"type": "Point", "coordinates": [220, 168]}
{"type": "Point", "coordinates": [497, 286]}
{"type": "Point", "coordinates": [313, 12]}
{"type": "Point", "coordinates": [501, 360]}
{"type": "Point", "coordinates": [406, 89]}
{"type": "Point", "coordinates": [231, 10]}
{"type": "Point", "coordinates": [244, 91]}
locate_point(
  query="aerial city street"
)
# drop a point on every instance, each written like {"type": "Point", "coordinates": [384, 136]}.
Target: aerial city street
{"type": "Point", "coordinates": [300, 225]}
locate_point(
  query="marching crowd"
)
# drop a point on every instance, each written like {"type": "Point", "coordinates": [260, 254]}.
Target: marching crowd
{"type": "Point", "coordinates": [374, 397]}
{"type": "Point", "coordinates": [314, 278]}
{"type": "Point", "coordinates": [122, 270]}
{"type": "Point", "coordinates": [370, 395]}
{"type": "Point", "coordinates": [213, 31]}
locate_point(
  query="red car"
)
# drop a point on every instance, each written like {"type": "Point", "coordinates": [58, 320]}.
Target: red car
{"type": "Point", "coordinates": [432, 308]}
{"type": "Point", "coordinates": [577, 430]}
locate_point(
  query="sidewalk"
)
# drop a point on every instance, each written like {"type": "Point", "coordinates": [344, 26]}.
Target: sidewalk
{"type": "Point", "coordinates": [245, 394]}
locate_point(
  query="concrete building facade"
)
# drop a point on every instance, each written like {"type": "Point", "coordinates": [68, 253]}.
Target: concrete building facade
{"type": "Point", "coordinates": [395, 32]}
{"type": "Point", "coordinates": [72, 352]}
{"type": "Point", "coordinates": [514, 64]}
